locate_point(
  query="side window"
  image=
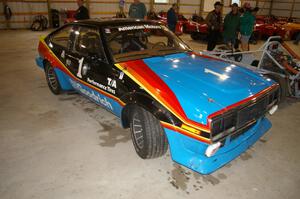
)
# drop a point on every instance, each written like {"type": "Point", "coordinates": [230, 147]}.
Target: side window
{"type": "Point", "coordinates": [88, 43]}
{"type": "Point", "coordinates": [61, 37]}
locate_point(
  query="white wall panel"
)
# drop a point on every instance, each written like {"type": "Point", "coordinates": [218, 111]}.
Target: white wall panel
{"type": "Point", "coordinates": [282, 5]}
{"type": "Point", "coordinates": [209, 5]}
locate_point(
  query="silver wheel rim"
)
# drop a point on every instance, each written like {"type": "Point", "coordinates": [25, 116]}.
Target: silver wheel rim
{"type": "Point", "coordinates": [138, 132]}
{"type": "Point", "coordinates": [52, 79]}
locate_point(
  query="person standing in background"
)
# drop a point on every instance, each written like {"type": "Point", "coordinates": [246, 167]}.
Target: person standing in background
{"type": "Point", "coordinates": [137, 10]}
{"type": "Point", "coordinates": [247, 21]}
{"type": "Point", "coordinates": [214, 23]}
{"type": "Point", "coordinates": [7, 13]}
{"type": "Point", "coordinates": [231, 26]}
{"type": "Point", "coordinates": [82, 12]}
{"type": "Point", "coordinates": [172, 17]}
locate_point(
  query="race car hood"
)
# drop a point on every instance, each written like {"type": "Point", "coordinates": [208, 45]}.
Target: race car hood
{"type": "Point", "coordinates": [204, 86]}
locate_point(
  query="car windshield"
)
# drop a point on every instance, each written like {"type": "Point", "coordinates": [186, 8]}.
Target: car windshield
{"type": "Point", "coordinates": [138, 41]}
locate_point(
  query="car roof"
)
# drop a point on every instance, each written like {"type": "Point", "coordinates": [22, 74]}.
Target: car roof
{"type": "Point", "coordinates": [112, 21]}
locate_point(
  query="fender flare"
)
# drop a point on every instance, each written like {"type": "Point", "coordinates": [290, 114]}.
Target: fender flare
{"type": "Point", "coordinates": [148, 103]}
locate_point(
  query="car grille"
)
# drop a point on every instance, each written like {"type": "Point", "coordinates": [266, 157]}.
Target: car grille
{"type": "Point", "coordinates": [238, 120]}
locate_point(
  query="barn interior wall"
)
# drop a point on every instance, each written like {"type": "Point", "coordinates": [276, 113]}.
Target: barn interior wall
{"type": "Point", "coordinates": [25, 10]}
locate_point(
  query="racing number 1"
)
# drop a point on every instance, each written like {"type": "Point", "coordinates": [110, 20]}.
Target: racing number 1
{"type": "Point", "coordinates": [80, 67]}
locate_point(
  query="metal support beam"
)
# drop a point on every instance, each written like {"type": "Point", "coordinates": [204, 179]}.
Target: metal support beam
{"type": "Point", "coordinates": [222, 1]}
{"type": "Point", "coordinates": [293, 7]}
{"type": "Point", "coordinates": [87, 4]}
{"type": "Point", "coordinates": [49, 13]}
{"type": "Point", "coordinates": [151, 4]}
{"type": "Point", "coordinates": [178, 3]}
{"type": "Point", "coordinates": [271, 8]}
{"type": "Point", "coordinates": [201, 8]}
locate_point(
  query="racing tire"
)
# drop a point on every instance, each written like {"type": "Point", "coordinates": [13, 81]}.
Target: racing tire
{"type": "Point", "coordinates": [148, 136]}
{"type": "Point", "coordinates": [52, 79]}
{"type": "Point", "coordinates": [283, 86]}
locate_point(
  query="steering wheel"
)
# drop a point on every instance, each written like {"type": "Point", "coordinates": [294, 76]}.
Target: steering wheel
{"type": "Point", "coordinates": [158, 44]}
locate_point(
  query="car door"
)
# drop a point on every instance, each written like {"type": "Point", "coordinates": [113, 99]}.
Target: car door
{"type": "Point", "coordinates": [87, 60]}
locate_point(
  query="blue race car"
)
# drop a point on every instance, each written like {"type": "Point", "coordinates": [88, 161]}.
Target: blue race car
{"type": "Point", "coordinates": [205, 110]}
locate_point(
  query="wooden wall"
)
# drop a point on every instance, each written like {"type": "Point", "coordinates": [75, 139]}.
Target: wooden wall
{"type": "Point", "coordinates": [25, 10]}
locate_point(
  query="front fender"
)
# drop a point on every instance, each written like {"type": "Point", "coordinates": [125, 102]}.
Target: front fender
{"type": "Point", "coordinates": [149, 104]}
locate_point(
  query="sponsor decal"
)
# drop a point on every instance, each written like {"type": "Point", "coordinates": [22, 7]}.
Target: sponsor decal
{"type": "Point", "coordinates": [139, 27]}
{"type": "Point", "coordinates": [91, 94]}
{"type": "Point", "coordinates": [62, 54]}
{"type": "Point", "coordinates": [106, 88]}
{"type": "Point", "coordinates": [111, 82]}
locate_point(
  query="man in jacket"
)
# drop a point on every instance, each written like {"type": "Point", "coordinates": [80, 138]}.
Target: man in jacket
{"type": "Point", "coordinates": [231, 25]}
{"type": "Point", "coordinates": [172, 17]}
{"type": "Point", "coordinates": [82, 12]}
{"type": "Point", "coordinates": [214, 23]}
{"type": "Point", "coordinates": [137, 10]}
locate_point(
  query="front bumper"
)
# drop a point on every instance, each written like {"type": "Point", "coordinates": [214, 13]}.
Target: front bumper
{"type": "Point", "coordinates": [191, 153]}
{"type": "Point", "coordinates": [40, 62]}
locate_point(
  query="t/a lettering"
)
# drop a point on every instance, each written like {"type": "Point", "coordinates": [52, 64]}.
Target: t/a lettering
{"type": "Point", "coordinates": [111, 82]}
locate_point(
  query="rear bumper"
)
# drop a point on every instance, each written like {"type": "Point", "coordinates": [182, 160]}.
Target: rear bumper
{"type": "Point", "coordinates": [191, 153]}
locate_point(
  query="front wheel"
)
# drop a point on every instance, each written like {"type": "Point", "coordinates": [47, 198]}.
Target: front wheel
{"type": "Point", "coordinates": [147, 134]}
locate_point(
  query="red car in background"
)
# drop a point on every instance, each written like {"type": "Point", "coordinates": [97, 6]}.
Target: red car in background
{"type": "Point", "coordinates": [184, 25]}
{"type": "Point", "coordinates": [290, 30]}
{"type": "Point", "coordinates": [162, 17]}
{"type": "Point", "coordinates": [70, 16]}
{"type": "Point", "coordinates": [265, 27]}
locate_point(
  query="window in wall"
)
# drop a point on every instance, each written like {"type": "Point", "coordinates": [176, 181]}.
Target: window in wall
{"type": "Point", "coordinates": [236, 1]}
{"type": "Point", "coordinates": [161, 1]}
{"type": "Point", "coordinates": [209, 5]}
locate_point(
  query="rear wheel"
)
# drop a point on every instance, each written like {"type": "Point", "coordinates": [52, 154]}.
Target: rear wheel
{"type": "Point", "coordinates": [52, 79]}
{"type": "Point", "coordinates": [147, 134]}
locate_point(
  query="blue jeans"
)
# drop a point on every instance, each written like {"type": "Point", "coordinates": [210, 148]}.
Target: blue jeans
{"type": "Point", "coordinates": [297, 38]}
{"type": "Point", "coordinates": [172, 27]}
{"type": "Point", "coordinates": [231, 41]}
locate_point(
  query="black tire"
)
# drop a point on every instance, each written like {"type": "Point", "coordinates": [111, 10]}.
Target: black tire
{"type": "Point", "coordinates": [36, 25]}
{"type": "Point", "coordinates": [147, 134]}
{"type": "Point", "coordinates": [195, 36]}
{"type": "Point", "coordinates": [283, 86]}
{"type": "Point", "coordinates": [238, 57]}
{"type": "Point", "coordinates": [52, 79]}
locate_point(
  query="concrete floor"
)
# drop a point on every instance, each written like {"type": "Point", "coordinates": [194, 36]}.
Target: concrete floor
{"type": "Point", "coordinates": [66, 147]}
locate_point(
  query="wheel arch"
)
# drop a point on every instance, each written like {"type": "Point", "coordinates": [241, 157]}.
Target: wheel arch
{"type": "Point", "coordinates": [62, 77]}
{"type": "Point", "coordinates": [149, 104]}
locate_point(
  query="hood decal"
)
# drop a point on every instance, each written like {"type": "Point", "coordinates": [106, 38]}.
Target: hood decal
{"type": "Point", "coordinates": [144, 76]}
